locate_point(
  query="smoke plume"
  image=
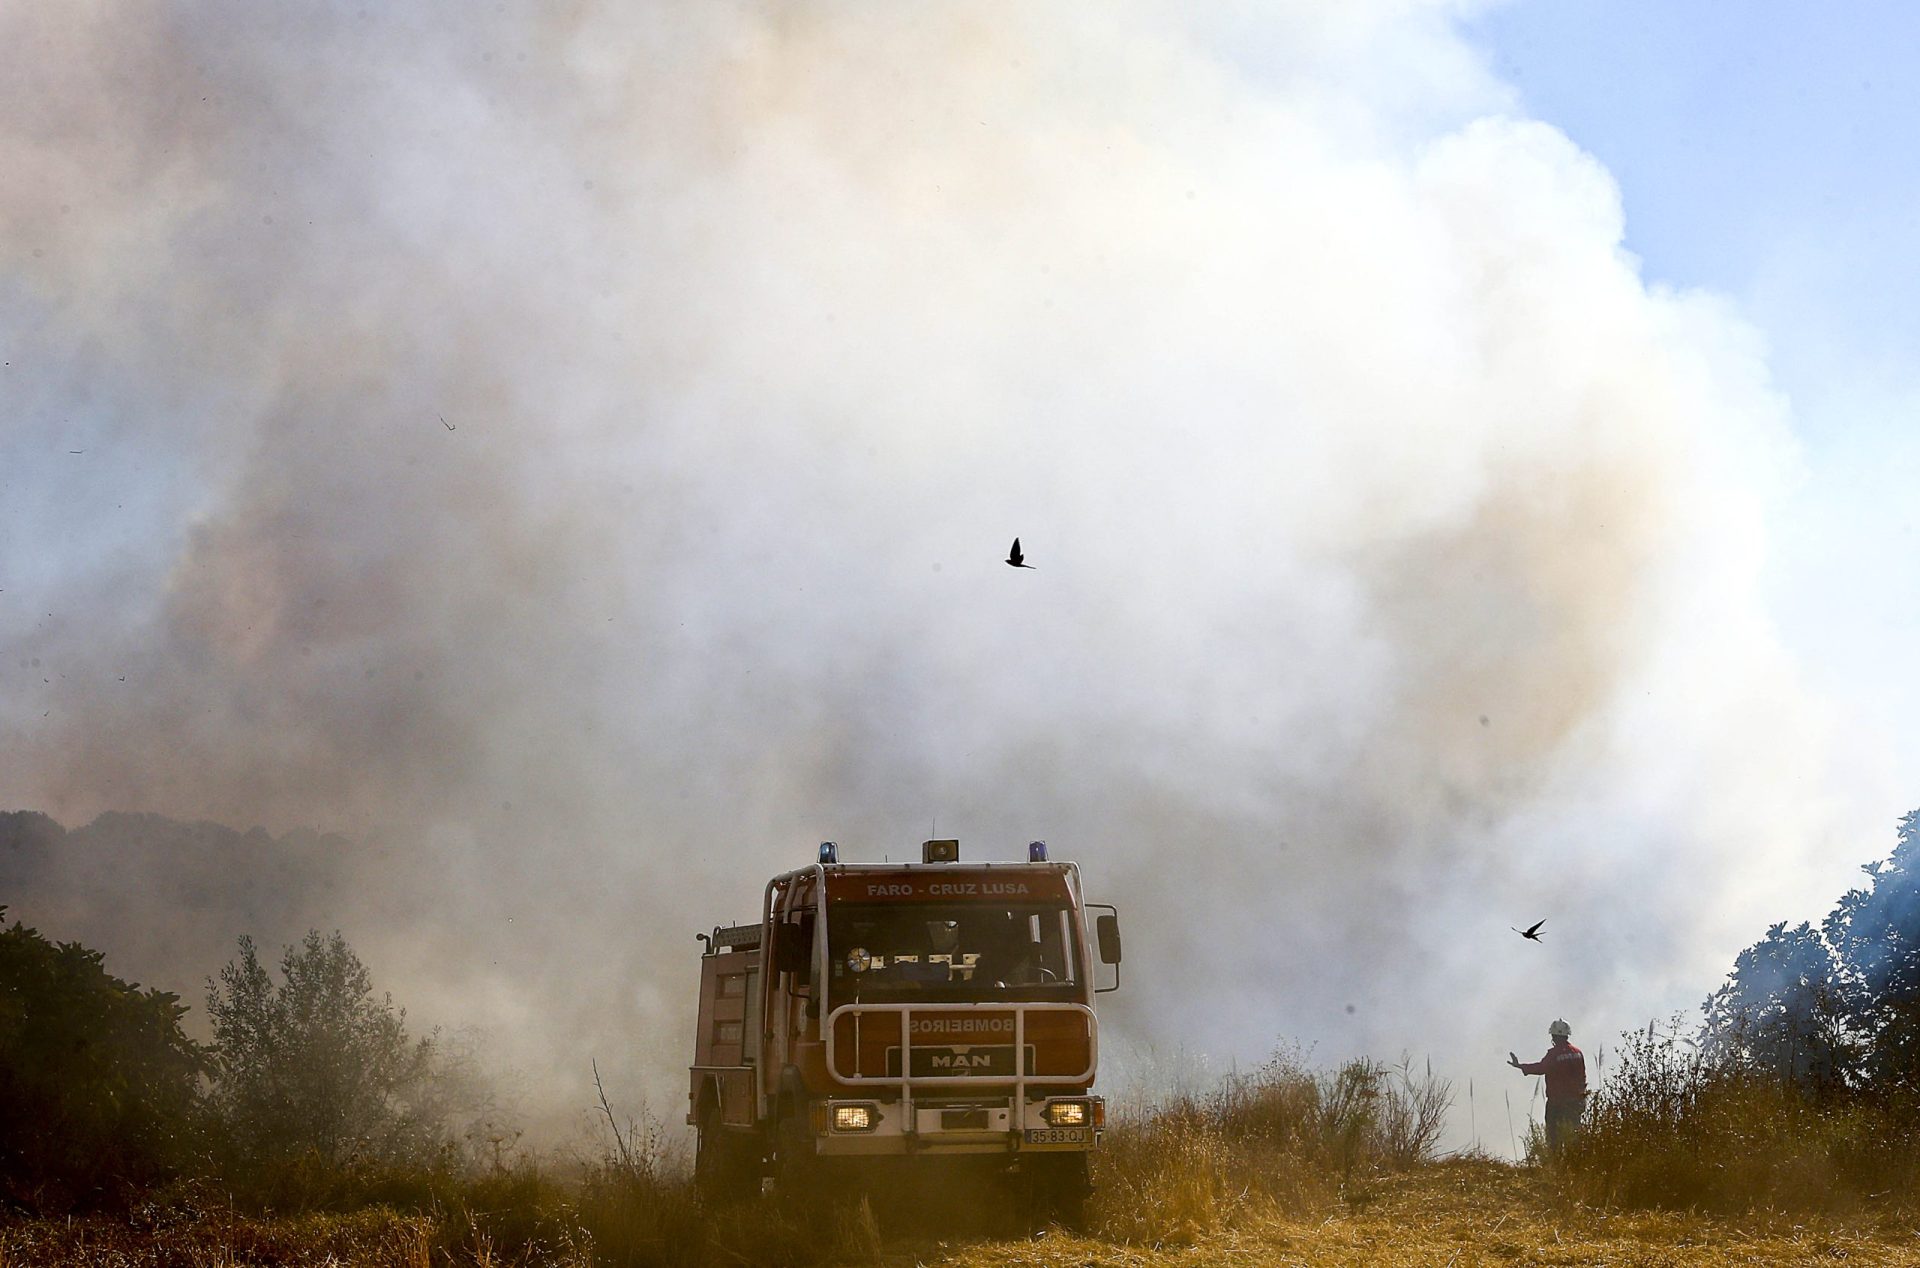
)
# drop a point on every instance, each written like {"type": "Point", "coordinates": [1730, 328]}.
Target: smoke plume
{"type": "Point", "coordinates": [567, 451]}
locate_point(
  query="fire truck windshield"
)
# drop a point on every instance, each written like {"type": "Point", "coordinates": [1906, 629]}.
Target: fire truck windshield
{"type": "Point", "coordinates": [900, 952]}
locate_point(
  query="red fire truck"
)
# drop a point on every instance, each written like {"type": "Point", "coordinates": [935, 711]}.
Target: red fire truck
{"type": "Point", "coordinates": [891, 1017]}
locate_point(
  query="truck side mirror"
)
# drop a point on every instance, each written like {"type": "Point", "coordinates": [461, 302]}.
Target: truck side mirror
{"type": "Point", "coordinates": [1106, 930]}
{"type": "Point", "coordinates": [793, 945]}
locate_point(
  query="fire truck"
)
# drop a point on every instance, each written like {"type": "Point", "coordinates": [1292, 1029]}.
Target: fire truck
{"type": "Point", "coordinates": [891, 1018]}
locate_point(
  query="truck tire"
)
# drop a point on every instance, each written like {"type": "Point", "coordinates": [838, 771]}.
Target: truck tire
{"type": "Point", "coordinates": [796, 1168]}
{"type": "Point", "coordinates": [725, 1167]}
{"type": "Point", "coordinates": [1057, 1189]}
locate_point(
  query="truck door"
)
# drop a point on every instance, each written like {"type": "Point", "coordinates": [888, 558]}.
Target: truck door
{"type": "Point", "coordinates": [794, 999]}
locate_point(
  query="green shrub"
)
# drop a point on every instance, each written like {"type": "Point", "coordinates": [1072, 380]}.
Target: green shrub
{"type": "Point", "coordinates": [98, 1084]}
{"type": "Point", "coordinates": [316, 1081]}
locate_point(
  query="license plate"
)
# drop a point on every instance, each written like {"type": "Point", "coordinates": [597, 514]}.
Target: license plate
{"type": "Point", "coordinates": [1056, 1135]}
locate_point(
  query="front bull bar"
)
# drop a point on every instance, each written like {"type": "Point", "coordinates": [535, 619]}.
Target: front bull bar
{"type": "Point", "coordinates": [906, 1080]}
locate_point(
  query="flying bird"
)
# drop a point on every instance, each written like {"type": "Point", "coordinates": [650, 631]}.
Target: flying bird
{"type": "Point", "coordinates": [1017, 560]}
{"type": "Point", "coordinates": [1532, 932]}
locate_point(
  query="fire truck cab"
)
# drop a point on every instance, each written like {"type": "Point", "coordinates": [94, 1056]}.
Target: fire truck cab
{"type": "Point", "coordinates": [881, 1016]}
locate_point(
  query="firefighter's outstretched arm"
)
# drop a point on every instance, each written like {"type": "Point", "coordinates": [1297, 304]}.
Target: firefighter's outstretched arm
{"type": "Point", "coordinates": [1513, 1059]}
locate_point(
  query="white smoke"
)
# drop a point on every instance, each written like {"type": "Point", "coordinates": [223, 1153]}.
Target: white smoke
{"type": "Point", "coordinates": [574, 448]}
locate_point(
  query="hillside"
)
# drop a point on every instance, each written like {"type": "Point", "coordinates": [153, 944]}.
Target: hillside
{"type": "Point", "coordinates": [170, 897]}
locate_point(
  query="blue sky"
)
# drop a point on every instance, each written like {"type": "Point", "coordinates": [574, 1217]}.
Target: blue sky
{"type": "Point", "coordinates": [1766, 151]}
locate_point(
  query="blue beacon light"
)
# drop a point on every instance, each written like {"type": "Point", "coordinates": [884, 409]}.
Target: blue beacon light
{"type": "Point", "coordinates": [829, 852]}
{"type": "Point", "coordinates": [1036, 851]}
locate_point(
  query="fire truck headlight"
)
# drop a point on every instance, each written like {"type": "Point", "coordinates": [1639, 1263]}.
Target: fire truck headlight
{"type": "Point", "coordinates": [853, 1118]}
{"type": "Point", "coordinates": [1067, 1113]}
{"type": "Point", "coordinates": [858, 961]}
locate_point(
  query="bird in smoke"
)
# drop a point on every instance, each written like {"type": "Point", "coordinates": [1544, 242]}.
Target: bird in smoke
{"type": "Point", "coordinates": [1017, 560]}
{"type": "Point", "coordinates": [1532, 932]}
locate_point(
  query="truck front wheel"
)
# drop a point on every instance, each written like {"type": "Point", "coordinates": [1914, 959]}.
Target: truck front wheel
{"type": "Point", "coordinates": [725, 1165]}
{"type": "Point", "coordinates": [1057, 1188]}
{"type": "Point", "coordinates": [796, 1168]}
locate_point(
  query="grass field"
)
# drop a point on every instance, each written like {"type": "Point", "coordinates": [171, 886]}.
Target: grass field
{"type": "Point", "coordinates": [1478, 1212]}
{"type": "Point", "coordinates": [1454, 1212]}
{"type": "Point", "coordinates": [1681, 1162]}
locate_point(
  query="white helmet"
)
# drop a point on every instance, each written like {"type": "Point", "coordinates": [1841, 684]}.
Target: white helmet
{"type": "Point", "coordinates": [1559, 1030]}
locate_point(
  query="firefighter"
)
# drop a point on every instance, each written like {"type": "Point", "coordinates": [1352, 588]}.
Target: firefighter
{"type": "Point", "coordinates": [1566, 1071]}
{"type": "Point", "coordinates": [1007, 955]}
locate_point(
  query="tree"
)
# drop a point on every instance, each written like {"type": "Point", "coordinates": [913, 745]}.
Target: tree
{"type": "Point", "coordinates": [316, 1065]}
{"type": "Point", "coordinates": [1839, 1006]}
{"type": "Point", "coordinates": [98, 1084]}
{"type": "Point", "coordinates": [1876, 932]}
{"type": "Point", "coordinates": [1786, 1009]}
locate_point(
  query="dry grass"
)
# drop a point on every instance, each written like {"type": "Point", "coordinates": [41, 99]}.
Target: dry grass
{"type": "Point", "coordinates": [1675, 1128]}
{"type": "Point", "coordinates": [1478, 1212]}
{"type": "Point", "coordinates": [1286, 1165]}
{"type": "Point", "coordinates": [1459, 1212]}
{"type": "Point", "coordinates": [1285, 1139]}
{"type": "Point", "coordinates": [600, 1225]}
{"type": "Point", "coordinates": [221, 1238]}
